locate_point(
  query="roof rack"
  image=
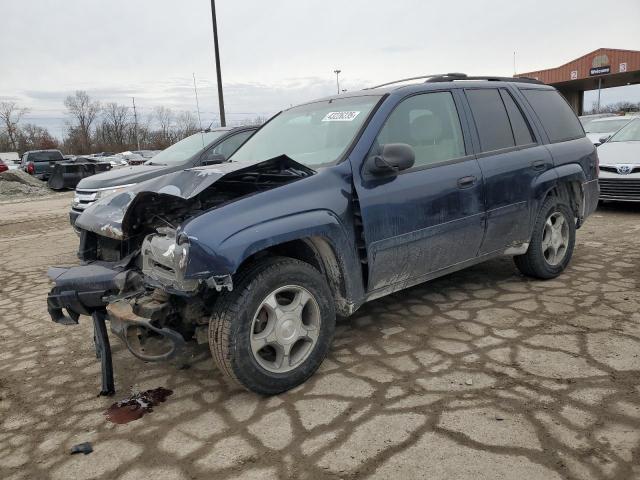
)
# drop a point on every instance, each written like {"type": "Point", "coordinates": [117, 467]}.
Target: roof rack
{"type": "Point", "coordinates": [411, 78]}
{"type": "Point", "coordinates": [450, 77]}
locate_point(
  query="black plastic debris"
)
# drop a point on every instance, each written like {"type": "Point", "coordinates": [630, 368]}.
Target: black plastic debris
{"type": "Point", "coordinates": [84, 447]}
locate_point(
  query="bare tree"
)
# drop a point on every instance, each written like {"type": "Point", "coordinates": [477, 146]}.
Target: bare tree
{"type": "Point", "coordinates": [84, 111]}
{"type": "Point", "coordinates": [33, 137]}
{"type": "Point", "coordinates": [116, 121]}
{"type": "Point", "coordinates": [10, 116]}
{"type": "Point", "coordinates": [186, 124]}
{"type": "Point", "coordinates": [164, 117]}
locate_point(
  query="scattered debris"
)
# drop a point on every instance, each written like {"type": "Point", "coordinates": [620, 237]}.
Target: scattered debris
{"type": "Point", "coordinates": [137, 405]}
{"type": "Point", "coordinates": [84, 447]}
{"type": "Point", "coordinates": [17, 182]}
{"type": "Point", "coordinates": [499, 418]}
{"type": "Point", "coordinates": [469, 381]}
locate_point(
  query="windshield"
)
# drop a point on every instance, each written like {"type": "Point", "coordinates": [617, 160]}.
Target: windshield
{"type": "Point", "coordinates": [606, 126]}
{"type": "Point", "coordinates": [315, 134]}
{"type": "Point", "coordinates": [630, 133]}
{"type": "Point", "coordinates": [183, 150]}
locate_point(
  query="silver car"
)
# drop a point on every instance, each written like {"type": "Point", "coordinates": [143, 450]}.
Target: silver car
{"type": "Point", "coordinates": [600, 129]}
{"type": "Point", "coordinates": [620, 164]}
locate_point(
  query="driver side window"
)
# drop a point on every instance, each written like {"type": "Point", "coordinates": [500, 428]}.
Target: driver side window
{"type": "Point", "coordinates": [227, 147]}
{"type": "Point", "coordinates": [429, 123]}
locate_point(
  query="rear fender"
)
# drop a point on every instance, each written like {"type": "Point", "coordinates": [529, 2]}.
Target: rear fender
{"type": "Point", "coordinates": [552, 179]}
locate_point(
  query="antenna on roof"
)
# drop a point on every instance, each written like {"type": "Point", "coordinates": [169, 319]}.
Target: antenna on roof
{"type": "Point", "coordinates": [195, 89]}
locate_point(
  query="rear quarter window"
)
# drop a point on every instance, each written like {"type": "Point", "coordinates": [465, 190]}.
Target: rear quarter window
{"type": "Point", "coordinates": [557, 117]}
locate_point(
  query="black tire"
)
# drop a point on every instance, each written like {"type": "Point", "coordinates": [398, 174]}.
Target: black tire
{"type": "Point", "coordinates": [231, 320]}
{"type": "Point", "coordinates": [533, 263]}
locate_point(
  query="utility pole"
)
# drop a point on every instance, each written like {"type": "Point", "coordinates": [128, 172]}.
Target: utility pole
{"type": "Point", "coordinates": [337, 72]}
{"type": "Point", "coordinates": [599, 89]}
{"type": "Point", "coordinates": [514, 64]}
{"type": "Point", "coordinates": [223, 121]}
{"type": "Point", "coordinates": [135, 122]}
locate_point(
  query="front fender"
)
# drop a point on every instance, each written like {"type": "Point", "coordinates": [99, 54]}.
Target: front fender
{"type": "Point", "coordinates": [239, 246]}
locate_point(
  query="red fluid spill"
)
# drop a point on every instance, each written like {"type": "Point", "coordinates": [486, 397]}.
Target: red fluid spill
{"type": "Point", "coordinates": [137, 405]}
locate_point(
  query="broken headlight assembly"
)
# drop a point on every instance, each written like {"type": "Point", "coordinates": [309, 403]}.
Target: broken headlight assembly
{"type": "Point", "coordinates": [165, 258]}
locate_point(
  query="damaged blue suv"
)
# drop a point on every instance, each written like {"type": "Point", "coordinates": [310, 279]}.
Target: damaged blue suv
{"type": "Point", "coordinates": [329, 205]}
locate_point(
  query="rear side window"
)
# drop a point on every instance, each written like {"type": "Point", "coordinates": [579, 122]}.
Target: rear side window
{"type": "Point", "coordinates": [519, 125]}
{"type": "Point", "coordinates": [559, 121]}
{"type": "Point", "coordinates": [491, 119]}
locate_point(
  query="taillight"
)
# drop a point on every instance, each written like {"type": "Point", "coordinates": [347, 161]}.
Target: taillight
{"type": "Point", "coordinates": [31, 168]}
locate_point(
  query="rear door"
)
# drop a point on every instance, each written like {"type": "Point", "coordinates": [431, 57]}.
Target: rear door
{"type": "Point", "coordinates": [430, 216]}
{"type": "Point", "coordinates": [511, 158]}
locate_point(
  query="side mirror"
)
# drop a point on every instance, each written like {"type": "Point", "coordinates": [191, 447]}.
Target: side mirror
{"type": "Point", "coordinates": [394, 158]}
{"type": "Point", "coordinates": [214, 159]}
{"type": "Point", "coordinates": [601, 140]}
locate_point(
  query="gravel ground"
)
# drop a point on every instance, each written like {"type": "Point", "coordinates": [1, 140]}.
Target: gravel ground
{"type": "Point", "coordinates": [19, 183]}
{"type": "Point", "coordinates": [482, 374]}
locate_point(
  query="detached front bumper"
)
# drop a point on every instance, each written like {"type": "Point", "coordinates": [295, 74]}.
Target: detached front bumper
{"type": "Point", "coordinates": [105, 291]}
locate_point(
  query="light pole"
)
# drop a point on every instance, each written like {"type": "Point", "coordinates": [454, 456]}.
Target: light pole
{"type": "Point", "coordinates": [223, 121]}
{"type": "Point", "coordinates": [337, 72]}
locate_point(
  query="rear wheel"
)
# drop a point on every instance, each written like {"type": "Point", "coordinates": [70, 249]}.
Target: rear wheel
{"type": "Point", "coordinates": [552, 241]}
{"type": "Point", "coordinates": [275, 328]}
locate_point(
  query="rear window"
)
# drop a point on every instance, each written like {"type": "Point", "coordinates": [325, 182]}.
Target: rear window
{"type": "Point", "coordinates": [559, 121]}
{"type": "Point", "coordinates": [44, 156]}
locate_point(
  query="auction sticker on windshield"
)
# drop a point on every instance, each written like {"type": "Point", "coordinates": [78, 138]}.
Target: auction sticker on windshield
{"type": "Point", "coordinates": [340, 116]}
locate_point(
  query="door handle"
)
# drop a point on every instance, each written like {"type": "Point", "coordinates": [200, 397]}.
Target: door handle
{"type": "Point", "coordinates": [466, 182]}
{"type": "Point", "coordinates": [539, 165]}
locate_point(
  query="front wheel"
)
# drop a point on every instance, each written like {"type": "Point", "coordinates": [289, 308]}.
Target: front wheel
{"type": "Point", "coordinates": [552, 241]}
{"type": "Point", "coordinates": [275, 328]}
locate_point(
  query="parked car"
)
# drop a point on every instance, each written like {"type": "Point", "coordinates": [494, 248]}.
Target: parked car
{"type": "Point", "coordinates": [599, 130]}
{"type": "Point", "coordinates": [3, 166]}
{"type": "Point", "coordinates": [40, 163]}
{"type": "Point", "coordinates": [586, 120]}
{"type": "Point", "coordinates": [142, 156]}
{"type": "Point", "coordinates": [208, 147]}
{"type": "Point", "coordinates": [10, 159]}
{"type": "Point", "coordinates": [620, 164]}
{"type": "Point", "coordinates": [329, 205]}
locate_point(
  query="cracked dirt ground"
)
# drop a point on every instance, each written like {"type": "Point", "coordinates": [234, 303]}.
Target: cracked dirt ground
{"type": "Point", "coordinates": [481, 374]}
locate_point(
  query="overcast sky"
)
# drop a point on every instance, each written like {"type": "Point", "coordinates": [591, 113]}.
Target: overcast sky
{"type": "Point", "coordinates": [281, 52]}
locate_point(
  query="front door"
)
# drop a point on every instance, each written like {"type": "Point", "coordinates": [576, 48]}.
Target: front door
{"type": "Point", "coordinates": [430, 216]}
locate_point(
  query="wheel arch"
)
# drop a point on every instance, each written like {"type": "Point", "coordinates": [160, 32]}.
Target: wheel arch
{"type": "Point", "coordinates": [564, 182]}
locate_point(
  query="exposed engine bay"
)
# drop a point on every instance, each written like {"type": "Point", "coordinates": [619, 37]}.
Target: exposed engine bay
{"type": "Point", "coordinates": [135, 255]}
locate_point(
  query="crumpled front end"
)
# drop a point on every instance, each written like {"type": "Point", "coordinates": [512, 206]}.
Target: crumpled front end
{"type": "Point", "coordinates": [139, 270]}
